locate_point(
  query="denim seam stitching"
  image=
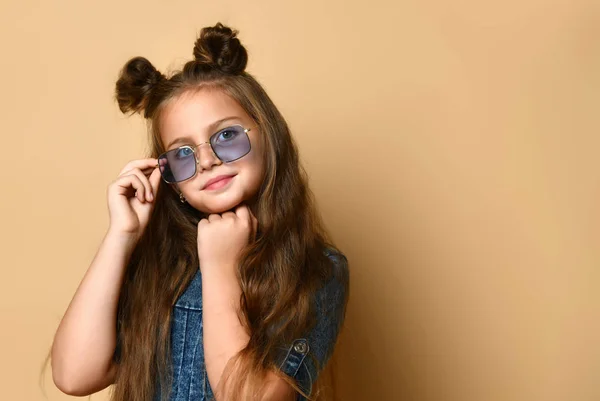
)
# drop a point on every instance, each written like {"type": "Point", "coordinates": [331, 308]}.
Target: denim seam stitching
{"type": "Point", "coordinates": [182, 353]}
{"type": "Point", "coordinates": [192, 364]}
{"type": "Point", "coordinates": [309, 379]}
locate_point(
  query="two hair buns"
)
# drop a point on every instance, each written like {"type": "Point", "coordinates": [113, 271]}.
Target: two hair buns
{"type": "Point", "coordinates": [217, 48]}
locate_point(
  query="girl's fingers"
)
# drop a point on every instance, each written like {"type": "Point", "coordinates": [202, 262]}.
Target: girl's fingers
{"type": "Point", "coordinates": [147, 187]}
{"type": "Point", "coordinates": [253, 221]}
{"type": "Point", "coordinates": [254, 224]}
{"type": "Point", "coordinates": [146, 171]}
{"type": "Point", "coordinates": [131, 181]}
{"type": "Point", "coordinates": [141, 164]}
{"type": "Point", "coordinates": [214, 217]}
{"type": "Point", "coordinates": [149, 170]}
{"type": "Point", "coordinates": [242, 212]}
{"type": "Point", "coordinates": [154, 180]}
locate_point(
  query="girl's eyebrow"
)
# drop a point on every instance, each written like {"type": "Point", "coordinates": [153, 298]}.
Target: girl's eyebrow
{"type": "Point", "coordinates": [210, 128]}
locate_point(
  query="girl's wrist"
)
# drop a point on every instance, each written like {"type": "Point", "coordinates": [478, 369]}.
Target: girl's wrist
{"type": "Point", "coordinates": [127, 241]}
{"type": "Point", "coordinates": [223, 272]}
{"type": "Point", "coordinates": [221, 287]}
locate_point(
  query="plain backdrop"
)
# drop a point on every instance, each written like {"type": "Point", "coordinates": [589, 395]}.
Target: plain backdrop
{"type": "Point", "coordinates": [452, 147]}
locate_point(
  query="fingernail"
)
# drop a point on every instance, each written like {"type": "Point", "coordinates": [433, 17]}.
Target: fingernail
{"type": "Point", "coordinates": [150, 196]}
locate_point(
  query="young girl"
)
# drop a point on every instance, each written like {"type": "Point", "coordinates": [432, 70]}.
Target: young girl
{"type": "Point", "coordinates": [215, 279]}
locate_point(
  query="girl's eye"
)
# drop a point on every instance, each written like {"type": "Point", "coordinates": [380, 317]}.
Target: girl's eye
{"type": "Point", "coordinates": [227, 135]}
{"type": "Point", "coordinates": [183, 152]}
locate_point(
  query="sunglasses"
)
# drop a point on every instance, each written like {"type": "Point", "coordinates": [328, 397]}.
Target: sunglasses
{"type": "Point", "coordinates": [228, 144]}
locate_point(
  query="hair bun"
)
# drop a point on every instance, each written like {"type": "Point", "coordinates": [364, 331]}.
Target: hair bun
{"type": "Point", "coordinates": [134, 87]}
{"type": "Point", "coordinates": [219, 47]}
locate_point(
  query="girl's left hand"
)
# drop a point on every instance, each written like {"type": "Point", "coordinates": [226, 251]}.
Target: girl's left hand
{"type": "Point", "coordinates": [221, 238]}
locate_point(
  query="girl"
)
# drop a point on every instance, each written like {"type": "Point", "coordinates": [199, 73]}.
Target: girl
{"type": "Point", "coordinates": [216, 278]}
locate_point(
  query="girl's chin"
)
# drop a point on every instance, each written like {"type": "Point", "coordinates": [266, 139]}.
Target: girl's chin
{"type": "Point", "coordinates": [219, 207]}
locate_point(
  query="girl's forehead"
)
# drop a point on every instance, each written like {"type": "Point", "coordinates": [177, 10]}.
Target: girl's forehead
{"type": "Point", "coordinates": [197, 114]}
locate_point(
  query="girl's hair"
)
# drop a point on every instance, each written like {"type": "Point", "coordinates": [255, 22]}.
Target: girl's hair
{"type": "Point", "coordinates": [278, 273]}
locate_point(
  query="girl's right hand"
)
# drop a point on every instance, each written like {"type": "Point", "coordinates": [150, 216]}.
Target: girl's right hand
{"type": "Point", "coordinates": [131, 197]}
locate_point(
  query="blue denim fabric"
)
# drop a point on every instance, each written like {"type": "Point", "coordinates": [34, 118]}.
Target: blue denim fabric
{"type": "Point", "coordinates": [190, 381]}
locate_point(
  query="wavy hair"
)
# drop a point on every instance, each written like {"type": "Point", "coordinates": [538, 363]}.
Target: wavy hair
{"type": "Point", "coordinates": [278, 273]}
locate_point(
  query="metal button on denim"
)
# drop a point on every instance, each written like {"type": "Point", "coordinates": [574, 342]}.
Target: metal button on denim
{"type": "Point", "coordinates": [300, 347]}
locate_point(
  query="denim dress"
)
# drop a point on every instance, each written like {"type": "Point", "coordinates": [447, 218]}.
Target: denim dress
{"type": "Point", "coordinates": [190, 381]}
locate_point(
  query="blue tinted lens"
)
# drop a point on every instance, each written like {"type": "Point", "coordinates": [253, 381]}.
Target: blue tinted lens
{"type": "Point", "coordinates": [230, 143]}
{"type": "Point", "coordinates": [177, 164]}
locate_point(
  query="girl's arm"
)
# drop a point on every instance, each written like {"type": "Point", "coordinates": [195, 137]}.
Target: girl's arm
{"type": "Point", "coordinates": [224, 336]}
{"type": "Point", "coordinates": [219, 240]}
{"type": "Point", "coordinates": [84, 344]}
{"type": "Point", "coordinates": [85, 341]}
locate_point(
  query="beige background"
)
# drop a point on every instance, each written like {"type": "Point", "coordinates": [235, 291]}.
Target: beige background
{"type": "Point", "coordinates": [465, 189]}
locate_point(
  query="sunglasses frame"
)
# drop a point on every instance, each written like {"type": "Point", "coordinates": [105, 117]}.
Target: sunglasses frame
{"type": "Point", "coordinates": [197, 158]}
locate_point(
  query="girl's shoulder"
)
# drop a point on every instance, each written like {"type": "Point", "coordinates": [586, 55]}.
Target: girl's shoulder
{"type": "Point", "coordinates": [333, 293]}
{"type": "Point", "coordinates": [336, 256]}
{"type": "Point", "coordinates": [340, 265]}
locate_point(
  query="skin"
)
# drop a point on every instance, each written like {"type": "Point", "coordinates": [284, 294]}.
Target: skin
{"type": "Point", "coordinates": [229, 226]}
{"type": "Point", "coordinates": [84, 343]}
{"type": "Point", "coordinates": [188, 120]}
{"type": "Point", "coordinates": [85, 340]}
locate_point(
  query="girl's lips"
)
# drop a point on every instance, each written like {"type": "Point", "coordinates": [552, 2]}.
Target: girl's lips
{"type": "Point", "coordinates": [218, 182]}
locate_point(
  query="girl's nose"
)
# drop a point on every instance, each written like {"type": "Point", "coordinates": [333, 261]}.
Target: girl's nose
{"type": "Point", "coordinates": [207, 158]}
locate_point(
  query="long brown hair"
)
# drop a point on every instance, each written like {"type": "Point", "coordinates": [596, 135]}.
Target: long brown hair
{"type": "Point", "coordinates": [279, 272]}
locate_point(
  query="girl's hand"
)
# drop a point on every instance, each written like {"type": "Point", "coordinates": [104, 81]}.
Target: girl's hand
{"type": "Point", "coordinates": [221, 238]}
{"type": "Point", "coordinates": [131, 197]}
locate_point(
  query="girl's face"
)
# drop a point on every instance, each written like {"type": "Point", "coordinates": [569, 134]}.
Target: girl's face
{"type": "Point", "coordinates": [193, 118]}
